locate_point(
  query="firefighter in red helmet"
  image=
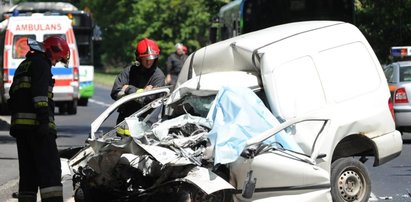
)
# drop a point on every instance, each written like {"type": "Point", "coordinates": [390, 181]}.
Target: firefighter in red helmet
{"type": "Point", "coordinates": [32, 120]}
{"type": "Point", "coordinates": [142, 76]}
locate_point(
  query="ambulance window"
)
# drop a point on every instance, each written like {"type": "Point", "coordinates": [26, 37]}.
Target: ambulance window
{"type": "Point", "coordinates": [49, 35]}
{"type": "Point", "coordinates": [20, 47]}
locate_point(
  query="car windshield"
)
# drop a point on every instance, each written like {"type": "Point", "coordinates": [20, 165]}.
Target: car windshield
{"type": "Point", "coordinates": [405, 73]}
{"type": "Point", "coordinates": [192, 104]}
{"type": "Point", "coordinates": [200, 105]}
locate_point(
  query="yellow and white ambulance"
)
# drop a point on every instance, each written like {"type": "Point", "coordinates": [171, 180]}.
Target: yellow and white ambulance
{"type": "Point", "coordinates": [39, 27]}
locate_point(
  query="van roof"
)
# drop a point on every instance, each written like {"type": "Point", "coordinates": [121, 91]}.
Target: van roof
{"type": "Point", "coordinates": [240, 53]}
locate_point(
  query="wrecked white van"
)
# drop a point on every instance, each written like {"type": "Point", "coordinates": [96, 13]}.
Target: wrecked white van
{"type": "Point", "coordinates": [273, 115]}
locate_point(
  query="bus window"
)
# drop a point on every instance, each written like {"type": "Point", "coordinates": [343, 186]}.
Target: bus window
{"type": "Point", "coordinates": [84, 45]}
{"type": "Point", "coordinates": [20, 47]}
{"type": "Point", "coordinates": [83, 30]}
{"type": "Point", "coordinates": [260, 14]}
{"type": "Point", "coordinates": [244, 16]}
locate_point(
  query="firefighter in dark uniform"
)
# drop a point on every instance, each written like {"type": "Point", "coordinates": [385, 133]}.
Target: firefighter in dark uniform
{"type": "Point", "coordinates": [32, 121]}
{"type": "Point", "coordinates": [139, 77]}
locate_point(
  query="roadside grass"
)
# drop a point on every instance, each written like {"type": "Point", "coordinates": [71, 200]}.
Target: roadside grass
{"type": "Point", "coordinates": [106, 77]}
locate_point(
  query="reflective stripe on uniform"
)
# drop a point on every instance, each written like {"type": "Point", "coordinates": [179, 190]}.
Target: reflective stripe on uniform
{"type": "Point", "coordinates": [50, 192]}
{"type": "Point", "coordinates": [40, 98]}
{"type": "Point", "coordinates": [122, 131]}
{"type": "Point", "coordinates": [140, 90]}
{"type": "Point", "coordinates": [52, 125]}
{"type": "Point", "coordinates": [21, 85]}
{"type": "Point", "coordinates": [22, 79]}
{"type": "Point", "coordinates": [22, 82]}
{"type": "Point", "coordinates": [31, 122]}
{"type": "Point", "coordinates": [50, 93]}
{"type": "Point", "coordinates": [24, 122]}
{"type": "Point", "coordinates": [41, 104]}
{"type": "Point", "coordinates": [25, 115]}
{"type": "Point", "coordinates": [29, 119]}
{"type": "Point", "coordinates": [23, 119]}
{"type": "Point", "coordinates": [40, 101]}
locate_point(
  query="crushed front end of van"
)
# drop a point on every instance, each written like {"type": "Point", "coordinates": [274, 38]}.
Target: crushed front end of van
{"type": "Point", "coordinates": [273, 115]}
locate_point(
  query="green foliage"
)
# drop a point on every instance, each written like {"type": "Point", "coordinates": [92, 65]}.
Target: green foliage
{"type": "Point", "coordinates": [385, 23]}
{"type": "Point", "coordinates": [125, 22]}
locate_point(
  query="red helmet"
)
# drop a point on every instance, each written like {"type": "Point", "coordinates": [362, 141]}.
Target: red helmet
{"type": "Point", "coordinates": [147, 48]}
{"type": "Point", "coordinates": [57, 49]}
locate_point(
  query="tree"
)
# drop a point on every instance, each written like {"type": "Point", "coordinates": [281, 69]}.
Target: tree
{"type": "Point", "coordinates": [124, 22]}
{"type": "Point", "coordinates": [385, 23]}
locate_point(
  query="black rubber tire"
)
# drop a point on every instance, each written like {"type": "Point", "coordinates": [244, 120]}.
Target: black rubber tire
{"type": "Point", "coordinates": [83, 102]}
{"type": "Point", "coordinates": [72, 107]}
{"type": "Point", "coordinates": [349, 181]}
{"type": "Point", "coordinates": [62, 108]}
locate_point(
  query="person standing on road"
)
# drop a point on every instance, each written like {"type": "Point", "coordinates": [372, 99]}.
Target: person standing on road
{"type": "Point", "coordinates": [174, 63]}
{"type": "Point", "coordinates": [142, 76]}
{"type": "Point", "coordinates": [32, 120]}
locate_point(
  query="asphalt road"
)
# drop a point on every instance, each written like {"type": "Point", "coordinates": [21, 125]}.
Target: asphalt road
{"type": "Point", "coordinates": [392, 181]}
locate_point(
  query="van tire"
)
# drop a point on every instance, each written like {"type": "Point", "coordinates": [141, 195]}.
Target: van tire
{"type": "Point", "coordinates": [83, 102]}
{"type": "Point", "coordinates": [349, 180]}
{"type": "Point", "coordinates": [72, 107]}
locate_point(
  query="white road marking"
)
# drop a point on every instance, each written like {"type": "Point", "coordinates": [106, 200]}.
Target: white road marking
{"type": "Point", "coordinates": [99, 103]}
{"type": "Point", "coordinates": [373, 197]}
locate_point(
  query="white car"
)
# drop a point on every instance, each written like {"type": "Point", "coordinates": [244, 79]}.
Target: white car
{"type": "Point", "coordinates": [273, 115]}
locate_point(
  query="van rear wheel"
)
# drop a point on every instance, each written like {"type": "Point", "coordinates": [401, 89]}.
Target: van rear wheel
{"type": "Point", "coordinates": [349, 181]}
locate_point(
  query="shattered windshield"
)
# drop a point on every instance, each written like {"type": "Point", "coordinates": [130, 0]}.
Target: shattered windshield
{"type": "Point", "coordinates": [200, 105]}
{"type": "Point", "coordinates": [192, 104]}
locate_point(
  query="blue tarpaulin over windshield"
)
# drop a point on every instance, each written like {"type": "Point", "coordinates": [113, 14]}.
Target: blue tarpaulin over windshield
{"type": "Point", "coordinates": [239, 114]}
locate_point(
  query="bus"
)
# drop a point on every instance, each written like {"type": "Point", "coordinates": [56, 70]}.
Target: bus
{"type": "Point", "coordinates": [83, 30]}
{"type": "Point", "coordinates": [243, 16]}
{"type": "Point", "coordinates": [83, 27]}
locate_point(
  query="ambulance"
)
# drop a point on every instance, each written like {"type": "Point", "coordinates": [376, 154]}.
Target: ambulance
{"type": "Point", "coordinates": [39, 27]}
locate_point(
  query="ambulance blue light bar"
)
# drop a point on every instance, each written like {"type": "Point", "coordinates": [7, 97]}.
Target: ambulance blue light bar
{"type": "Point", "coordinates": [402, 51]}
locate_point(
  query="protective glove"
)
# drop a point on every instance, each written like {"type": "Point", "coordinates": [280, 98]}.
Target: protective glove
{"type": "Point", "coordinates": [43, 129]}
{"type": "Point", "coordinates": [131, 89]}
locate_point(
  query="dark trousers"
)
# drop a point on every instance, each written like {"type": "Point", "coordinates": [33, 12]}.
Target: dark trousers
{"type": "Point", "coordinates": [39, 166]}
